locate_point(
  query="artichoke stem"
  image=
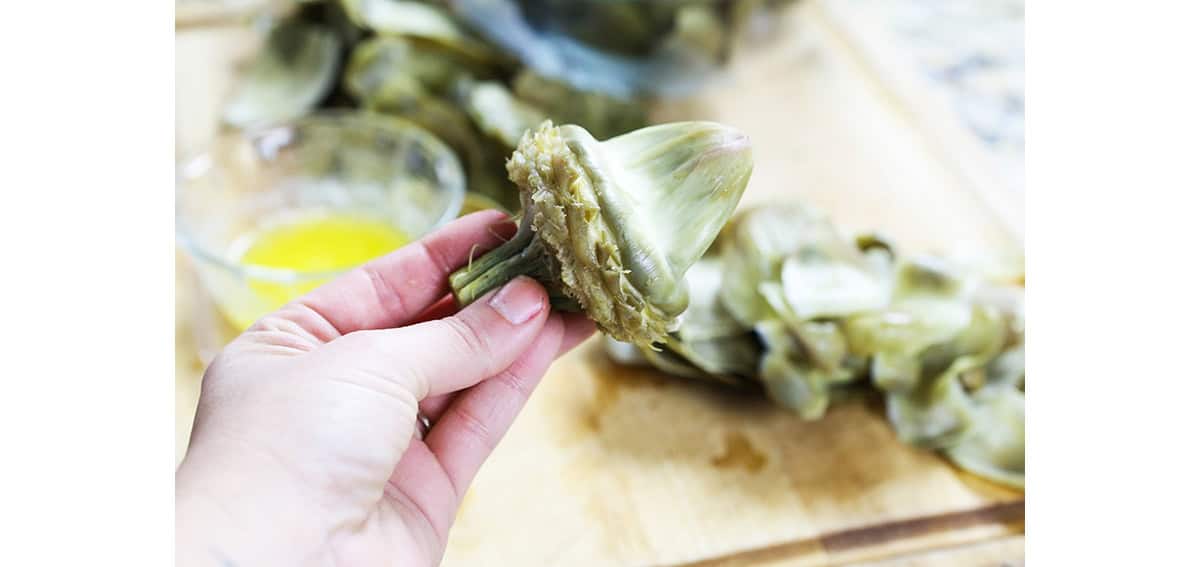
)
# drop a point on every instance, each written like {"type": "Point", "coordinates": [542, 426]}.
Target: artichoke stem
{"type": "Point", "coordinates": [526, 255]}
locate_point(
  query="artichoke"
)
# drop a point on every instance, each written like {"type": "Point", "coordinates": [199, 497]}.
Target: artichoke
{"type": "Point", "coordinates": [611, 228]}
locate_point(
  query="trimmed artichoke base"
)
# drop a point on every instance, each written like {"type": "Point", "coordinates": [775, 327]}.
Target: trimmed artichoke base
{"type": "Point", "coordinates": [559, 194]}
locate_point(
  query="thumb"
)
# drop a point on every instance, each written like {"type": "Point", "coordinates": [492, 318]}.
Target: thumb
{"type": "Point", "coordinates": [449, 354]}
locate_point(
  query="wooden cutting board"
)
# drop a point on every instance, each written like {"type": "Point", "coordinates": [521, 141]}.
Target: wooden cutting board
{"type": "Point", "coordinates": [611, 465]}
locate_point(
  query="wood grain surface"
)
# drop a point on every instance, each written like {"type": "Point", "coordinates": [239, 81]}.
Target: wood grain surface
{"type": "Point", "coordinates": [611, 465]}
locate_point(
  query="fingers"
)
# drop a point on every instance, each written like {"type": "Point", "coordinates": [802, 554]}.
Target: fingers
{"type": "Point", "coordinates": [576, 329]}
{"type": "Point", "coordinates": [444, 307]}
{"type": "Point", "coordinates": [418, 483]}
{"type": "Point", "coordinates": [471, 427]}
{"type": "Point", "coordinates": [433, 406]}
{"type": "Point", "coordinates": [391, 290]}
{"type": "Point", "coordinates": [446, 355]}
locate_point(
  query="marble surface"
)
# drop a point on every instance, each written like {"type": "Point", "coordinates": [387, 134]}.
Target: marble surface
{"type": "Point", "coordinates": [974, 51]}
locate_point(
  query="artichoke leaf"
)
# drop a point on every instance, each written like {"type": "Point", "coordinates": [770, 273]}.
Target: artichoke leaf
{"type": "Point", "coordinates": [699, 31]}
{"type": "Point", "coordinates": [758, 242]}
{"type": "Point", "coordinates": [928, 308]}
{"type": "Point", "coordinates": [602, 115]}
{"type": "Point", "coordinates": [295, 69]}
{"type": "Point", "coordinates": [792, 380]}
{"type": "Point", "coordinates": [972, 349]}
{"type": "Point", "coordinates": [706, 317]}
{"type": "Point", "coordinates": [995, 447]}
{"type": "Point", "coordinates": [401, 96]}
{"type": "Point", "coordinates": [1008, 369]}
{"type": "Point", "coordinates": [672, 363]}
{"type": "Point", "coordinates": [496, 112]}
{"type": "Point", "coordinates": [712, 344]}
{"type": "Point", "coordinates": [732, 359]}
{"type": "Point", "coordinates": [936, 414]}
{"type": "Point", "coordinates": [816, 286]}
{"type": "Point", "coordinates": [418, 20]}
{"type": "Point", "coordinates": [551, 51]}
{"type": "Point", "coordinates": [380, 60]}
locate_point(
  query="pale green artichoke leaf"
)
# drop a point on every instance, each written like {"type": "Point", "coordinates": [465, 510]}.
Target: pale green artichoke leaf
{"type": "Point", "coordinates": [289, 76]}
{"type": "Point", "coordinates": [929, 307]}
{"type": "Point", "coordinates": [1009, 300]}
{"type": "Point", "coordinates": [401, 96]}
{"type": "Point", "coordinates": [663, 359]}
{"type": "Point", "coordinates": [1008, 369]}
{"type": "Point", "coordinates": [817, 285]}
{"type": "Point", "coordinates": [741, 289]}
{"type": "Point", "coordinates": [708, 338]}
{"type": "Point", "coordinates": [603, 115]}
{"type": "Point", "coordinates": [672, 363]}
{"type": "Point", "coordinates": [625, 28]}
{"type": "Point", "coordinates": [995, 446]}
{"type": "Point", "coordinates": [971, 349]}
{"type": "Point", "coordinates": [381, 60]}
{"type": "Point", "coordinates": [700, 31]}
{"type": "Point", "coordinates": [496, 112]}
{"type": "Point", "coordinates": [879, 254]}
{"type": "Point", "coordinates": [935, 414]}
{"type": "Point", "coordinates": [757, 243]}
{"type": "Point", "coordinates": [823, 342]}
{"type": "Point", "coordinates": [895, 338]}
{"type": "Point", "coordinates": [731, 359]}
{"type": "Point", "coordinates": [895, 371]}
{"type": "Point", "coordinates": [868, 241]}
{"type": "Point", "coordinates": [930, 276]}
{"type": "Point", "coordinates": [789, 378]}
{"type": "Point", "coordinates": [550, 50]}
{"type": "Point", "coordinates": [706, 317]}
{"type": "Point", "coordinates": [417, 19]}
{"type": "Point", "coordinates": [482, 161]}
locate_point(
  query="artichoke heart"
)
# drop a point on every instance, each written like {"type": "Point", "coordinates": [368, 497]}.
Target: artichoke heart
{"type": "Point", "coordinates": [610, 228]}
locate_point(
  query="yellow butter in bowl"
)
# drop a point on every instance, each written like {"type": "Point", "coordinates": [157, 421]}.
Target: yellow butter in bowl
{"type": "Point", "coordinates": [310, 243]}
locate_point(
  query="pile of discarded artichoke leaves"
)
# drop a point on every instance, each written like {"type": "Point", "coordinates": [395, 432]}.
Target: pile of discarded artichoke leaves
{"type": "Point", "coordinates": [477, 74]}
{"type": "Point", "coordinates": [786, 303]}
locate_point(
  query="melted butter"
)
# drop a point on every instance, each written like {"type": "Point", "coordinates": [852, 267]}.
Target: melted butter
{"type": "Point", "coordinates": [315, 243]}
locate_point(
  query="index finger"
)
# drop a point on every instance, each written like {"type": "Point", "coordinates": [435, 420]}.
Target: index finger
{"type": "Point", "coordinates": [393, 289]}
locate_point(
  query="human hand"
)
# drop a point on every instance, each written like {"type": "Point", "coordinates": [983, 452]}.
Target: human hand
{"type": "Point", "coordinates": [305, 449]}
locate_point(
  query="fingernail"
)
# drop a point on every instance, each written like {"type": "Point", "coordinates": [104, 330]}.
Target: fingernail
{"type": "Point", "coordinates": [517, 301]}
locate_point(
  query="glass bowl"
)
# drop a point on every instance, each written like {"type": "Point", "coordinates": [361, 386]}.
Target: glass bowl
{"type": "Point", "coordinates": [351, 164]}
